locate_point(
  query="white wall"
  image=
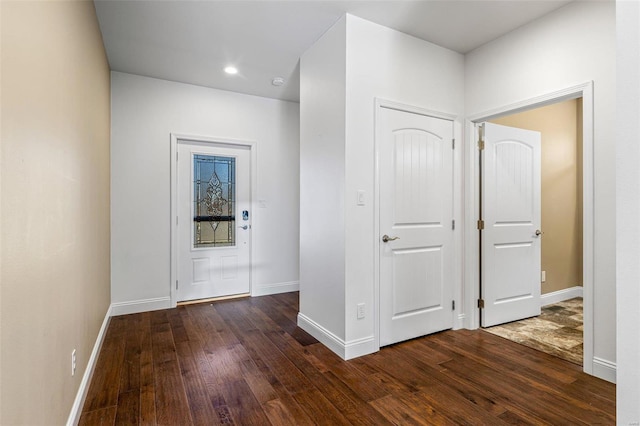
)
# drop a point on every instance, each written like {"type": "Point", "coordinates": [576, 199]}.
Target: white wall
{"type": "Point", "coordinates": [322, 171]}
{"type": "Point", "coordinates": [574, 45]}
{"type": "Point", "coordinates": [145, 111]}
{"type": "Point", "coordinates": [337, 126]}
{"type": "Point", "coordinates": [628, 211]}
{"type": "Point", "coordinates": [391, 65]}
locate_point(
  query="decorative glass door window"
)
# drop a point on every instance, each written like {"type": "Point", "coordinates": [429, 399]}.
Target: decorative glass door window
{"type": "Point", "coordinates": [214, 201]}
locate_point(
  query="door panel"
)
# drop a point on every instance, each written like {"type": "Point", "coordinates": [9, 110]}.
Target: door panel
{"type": "Point", "coordinates": [213, 246]}
{"type": "Point", "coordinates": [416, 207]}
{"type": "Point", "coordinates": [511, 213]}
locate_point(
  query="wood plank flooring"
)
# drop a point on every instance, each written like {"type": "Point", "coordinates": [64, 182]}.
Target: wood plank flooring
{"type": "Point", "coordinates": [245, 362]}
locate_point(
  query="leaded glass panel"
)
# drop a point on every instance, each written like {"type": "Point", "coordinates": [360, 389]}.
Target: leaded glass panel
{"type": "Point", "coordinates": [214, 181]}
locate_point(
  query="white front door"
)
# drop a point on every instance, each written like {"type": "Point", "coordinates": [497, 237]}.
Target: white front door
{"type": "Point", "coordinates": [214, 220]}
{"type": "Point", "coordinates": [510, 241]}
{"type": "Point", "coordinates": [415, 156]}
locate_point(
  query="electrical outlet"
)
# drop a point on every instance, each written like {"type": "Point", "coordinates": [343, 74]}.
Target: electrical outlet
{"type": "Point", "coordinates": [543, 276]}
{"type": "Point", "coordinates": [73, 362]}
{"type": "Point", "coordinates": [360, 310]}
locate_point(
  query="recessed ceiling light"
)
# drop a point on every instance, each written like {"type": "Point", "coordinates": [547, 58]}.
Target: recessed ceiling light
{"type": "Point", "coordinates": [231, 70]}
{"type": "Point", "coordinates": [277, 81]}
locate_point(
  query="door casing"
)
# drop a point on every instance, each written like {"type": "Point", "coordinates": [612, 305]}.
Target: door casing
{"type": "Point", "coordinates": [177, 138]}
{"type": "Point", "coordinates": [471, 200]}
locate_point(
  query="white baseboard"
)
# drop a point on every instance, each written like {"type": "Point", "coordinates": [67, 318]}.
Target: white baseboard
{"type": "Point", "coordinates": [267, 289]}
{"type": "Point", "coordinates": [459, 323]}
{"type": "Point", "coordinates": [604, 369]}
{"type": "Point", "coordinates": [81, 395]}
{"type": "Point", "coordinates": [560, 295]}
{"type": "Point", "coordinates": [345, 350]}
{"type": "Point", "coordinates": [144, 305]}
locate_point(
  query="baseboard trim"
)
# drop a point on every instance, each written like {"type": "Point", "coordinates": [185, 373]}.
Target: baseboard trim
{"type": "Point", "coordinates": [137, 306]}
{"type": "Point", "coordinates": [560, 295]}
{"type": "Point", "coordinates": [604, 369]}
{"type": "Point", "coordinates": [345, 350]}
{"type": "Point", "coordinates": [459, 322]}
{"type": "Point", "coordinates": [81, 395]}
{"type": "Point", "coordinates": [360, 347]}
{"type": "Point", "coordinates": [277, 288]}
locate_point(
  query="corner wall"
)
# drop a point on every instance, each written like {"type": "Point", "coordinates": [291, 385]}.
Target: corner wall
{"type": "Point", "coordinates": [571, 46]}
{"type": "Point", "coordinates": [354, 63]}
{"type": "Point", "coordinates": [145, 111]}
{"type": "Point", "coordinates": [322, 181]}
{"type": "Point", "coordinates": [54, 204]}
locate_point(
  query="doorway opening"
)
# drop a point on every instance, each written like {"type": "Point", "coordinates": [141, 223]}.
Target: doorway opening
{"type": "Point", "coordinates": [558, 329]}
{"type": "Point", "coordinates": [553, 289]}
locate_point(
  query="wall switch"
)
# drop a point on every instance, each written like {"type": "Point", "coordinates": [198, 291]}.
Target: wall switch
{"type": "Point", "coordinates": [73, 362]}
{"type": "Point", "coordinates": [360, 310]}
{"type": "Point", "coordinates": [360, 197]}
{"type": "Point", "coordinates": [543, 276]}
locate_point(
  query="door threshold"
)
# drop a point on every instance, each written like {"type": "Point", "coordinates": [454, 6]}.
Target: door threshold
{"type": "Point", "coordinates": [213, 299]}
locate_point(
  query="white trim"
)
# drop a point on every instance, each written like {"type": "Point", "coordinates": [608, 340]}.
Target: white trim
{"type": "Point", "coordinates": [560, 295]}
{"type": "Point", "coordinates": [398, 106]}
{"type": "Point", "coordinates": [267, 289]}
{"type": "Point", "coordinates": [604, 369]}
{"type": "Point", "coordinates": [177, 138]}
{"type": "Point", "coordinates": [471, 262]}
{"type": "Point", "coordinates": [344, 349]}
{"type": "Point", "coordinates": [142, 305]}
{"type": "Point", "coordinates": [573, 92]}
{"type": "Point", "coordinates": [81, 395]}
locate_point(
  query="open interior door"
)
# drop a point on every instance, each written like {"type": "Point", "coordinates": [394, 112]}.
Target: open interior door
{"type": "Point", "coordinates": [510, 212]}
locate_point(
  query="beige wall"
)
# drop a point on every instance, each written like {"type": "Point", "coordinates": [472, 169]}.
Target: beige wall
{"type": "Point", "coordinates": [560, 125]}
{"type": "Point", "coordinates": [54, 198]}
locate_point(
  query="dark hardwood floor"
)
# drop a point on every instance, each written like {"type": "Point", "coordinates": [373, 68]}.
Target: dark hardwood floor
{"type": "Point", "coordinates": [245, 362]}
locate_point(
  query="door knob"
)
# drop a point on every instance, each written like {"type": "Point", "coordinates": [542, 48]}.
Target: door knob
{"type": "Point", "coordinates": [386, 238]}
{"type": "Point", "coordinates": [538, 232]}
{"type": "Point", "coordinates": [245, 227]}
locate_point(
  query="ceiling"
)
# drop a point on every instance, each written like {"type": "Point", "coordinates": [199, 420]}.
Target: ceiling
{"type": "Point", "coordinates": [192, 41]}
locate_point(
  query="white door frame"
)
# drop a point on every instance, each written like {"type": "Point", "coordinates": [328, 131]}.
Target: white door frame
{"type": "Point", "coordinates": [458, 315]}
{"type": "Point", "coordinates": [471, 198]}
{"type": "Point", "coordinates": [177, 138]}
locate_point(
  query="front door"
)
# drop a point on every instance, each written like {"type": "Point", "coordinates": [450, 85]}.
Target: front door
{"type": "Point", "coordinates": [510, 241]}
{"type": "Point", "coordinates": [214, 220]}
{"type": "Point", "coordinates": [415, 155]}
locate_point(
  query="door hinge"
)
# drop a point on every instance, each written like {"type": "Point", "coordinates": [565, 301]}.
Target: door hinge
{"type": "Point", "coordinates": [453, 143]}
{"type": "Point", "coordinates": [453, 224]}
{"type": "Point", "coordinates": [481, 303]}
{"type": "Point", "coordinates": [453, 305]}
{"type": "Point", "coordinates": [176, 155]}
{"type": "Point", "coordinates": [481, 145]}
{"type": "Point", "coordinates": [480, 224]}
{"type": "Point", "coordinates": [176, 284]}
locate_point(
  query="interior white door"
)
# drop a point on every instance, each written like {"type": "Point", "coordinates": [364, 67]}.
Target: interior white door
{"type": "Point", "coordinates": [415, 157]}
{"type": "Point", "coordinates": [510, 241]}
{"type": "Point", "coordinates": [214, 220]}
